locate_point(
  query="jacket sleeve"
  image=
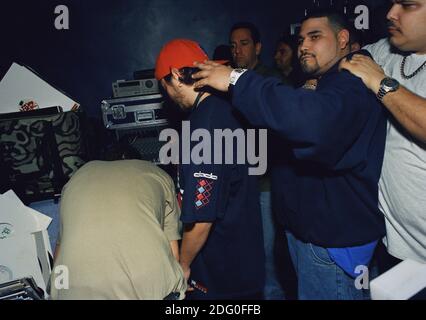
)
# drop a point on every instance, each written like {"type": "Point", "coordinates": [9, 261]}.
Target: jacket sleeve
{"type": "Point", "coordinates": [321, 126]}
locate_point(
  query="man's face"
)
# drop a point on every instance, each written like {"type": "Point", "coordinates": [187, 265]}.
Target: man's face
{"type": "Point", "coordinates": [244, 51]}
{"type": "Point", "coordinates": [407, 25]}
{"type": "Point", "coordinates": [173, 91]}
{"type": "Point", "coordinates": [319, 46]}
{"type": "Point", "coordinates": [283, 56]}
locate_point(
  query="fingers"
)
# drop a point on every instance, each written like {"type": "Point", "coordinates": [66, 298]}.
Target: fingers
{"type": "Point", "coordinates": [203, 78]}
{"type": "Point", "coordinates": [345, 64]}
{"type": "Point", "coordinates": [211, 63]}
{"type": "Point", "coordinates": [360, 57]}
{"type": "Point", "coordinates": [206, 65]}
{"type": "Point", "coordinates": [201, 83]}
{"type": "Point", "coordinates": [201, 74]}
{"type": "Point", "coordinates": [361, 62]}
{"type": "Point", "coordinates": [356, 60]}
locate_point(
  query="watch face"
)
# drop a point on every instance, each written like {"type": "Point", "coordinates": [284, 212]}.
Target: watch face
{"type": "Point", "coordinates": [390, 83]}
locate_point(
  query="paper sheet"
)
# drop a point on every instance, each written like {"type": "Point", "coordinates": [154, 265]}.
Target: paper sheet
{"type": "Point", "coordinates": [20, 84]}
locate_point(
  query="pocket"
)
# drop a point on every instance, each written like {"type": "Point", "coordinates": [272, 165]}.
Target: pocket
{"type": "Point", "coordinates": [320, 255]}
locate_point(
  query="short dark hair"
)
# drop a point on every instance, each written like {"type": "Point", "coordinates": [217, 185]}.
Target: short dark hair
{"type": "Point", "coordinates": [337, 20]}
{"type": "Point", "coordinates": [121, 151]}
{"type": "Point", "coordinates": [255, 34]}
{"type": "Point", "coordinates": [289, 40]}
{"type": "Point", "coordinates": [185, 75]}
{"type": "Point", "coordinates": [356, 36]}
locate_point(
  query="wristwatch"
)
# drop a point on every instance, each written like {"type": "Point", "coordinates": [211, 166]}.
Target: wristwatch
{"type": "Point", "coordinates": [235, 75]}
{"type": "Point", "coordinates": [387, 85]}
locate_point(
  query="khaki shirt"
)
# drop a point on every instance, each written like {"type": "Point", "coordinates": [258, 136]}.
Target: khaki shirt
{"type": "Point", "coordinates": [117, 219]}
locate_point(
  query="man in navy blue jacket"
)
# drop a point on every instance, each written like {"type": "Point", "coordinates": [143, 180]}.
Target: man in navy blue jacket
{"type": "Point", "coordinates": [222, 253]}
{"type": "Point", "coordinates": [326, 185]}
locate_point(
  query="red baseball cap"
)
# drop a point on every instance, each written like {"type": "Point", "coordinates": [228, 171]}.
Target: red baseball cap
{"type": "Point", "coordinates": [177, 54]}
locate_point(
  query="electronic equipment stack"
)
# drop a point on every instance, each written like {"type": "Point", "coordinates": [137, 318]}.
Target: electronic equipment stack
{"type": "Point", "coordinates": [136, 114]}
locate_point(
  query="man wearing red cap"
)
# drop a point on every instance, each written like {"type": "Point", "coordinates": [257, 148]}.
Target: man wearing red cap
{"type": "Point", "coordinates": [222, 247]}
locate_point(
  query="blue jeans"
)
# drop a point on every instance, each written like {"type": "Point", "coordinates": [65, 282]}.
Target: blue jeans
{"type": "Point", "coordinates": [273, 289]}
{"type": "Point", "coordinates": [319, 278]}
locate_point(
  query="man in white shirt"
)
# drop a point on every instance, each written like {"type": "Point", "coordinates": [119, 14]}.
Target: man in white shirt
{"type": "Point", "coordinates": [399, 80]}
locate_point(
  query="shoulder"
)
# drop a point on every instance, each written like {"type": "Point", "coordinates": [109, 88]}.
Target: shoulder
{"type": "Point", "coordinates": [339, 79]}
{"type": "Point", "coordinates": [148, 172]}
{"type": "Point", "coordinates": [217, 112]}
{"type": "Point", "coordinates": [266, 71]}
{"type": "Point", "coordinates": [91, 168]}
{"type": "Point", "coordinates": [379, 50]}
{"type": "Point", "coordinates": [344, 86]}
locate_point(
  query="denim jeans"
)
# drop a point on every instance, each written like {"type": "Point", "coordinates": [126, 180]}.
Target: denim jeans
{"type": "Point", "coordinates": [319, 278]}
{"type": "Point", "coordinates": [273, 289]}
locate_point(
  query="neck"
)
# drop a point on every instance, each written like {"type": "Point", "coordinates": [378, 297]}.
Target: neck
{"type": "Point", "coordinates": [286, 71]}
{"type": "Point", "coordinates": [253, 65]}
{"type": "Point", "coordinates": [192, 97]}
{"type": "Point", "coordinates": [205, 95]}
{"type": "Point", "coordinates": [333, 62]}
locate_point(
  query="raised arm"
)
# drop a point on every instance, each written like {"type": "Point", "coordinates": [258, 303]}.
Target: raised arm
{"type": "Point", "coordinates": [321, 125]}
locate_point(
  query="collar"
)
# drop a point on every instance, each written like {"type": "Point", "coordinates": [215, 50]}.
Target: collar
{"type": "Point", "coordinates": [197, 100]}
{"type": "Point", "coordinates": [335, 68]}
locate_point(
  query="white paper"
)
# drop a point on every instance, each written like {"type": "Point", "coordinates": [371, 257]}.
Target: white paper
{"type": "Point", "coordinates": [43, 221]}
{"type": "Point", "coordinates": [13, 201]}
{"type": "Point", "coordinates": [15, 218]}
{"type": "Point", "coordinates": [22, 84]}
{"type": "Point", "coordinates": [19, 252]}
{"type": "Point", "coordinates": [18, 259]}
{"type": "Point", "coordinates": [399, 283]}
{"type": "Point", "coordinates": [12, 209]}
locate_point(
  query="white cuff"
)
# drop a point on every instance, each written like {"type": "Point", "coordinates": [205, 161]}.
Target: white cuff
{"type": "Point", "coordinates": [235, 75]}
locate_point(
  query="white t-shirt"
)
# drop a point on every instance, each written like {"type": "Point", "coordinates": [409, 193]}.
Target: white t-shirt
{"type": "Point", "coordinates": [402, 187]}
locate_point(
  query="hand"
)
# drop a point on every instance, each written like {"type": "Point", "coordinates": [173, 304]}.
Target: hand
{"type": "Point", "coordinates": [212, 74]}
{"type": "Point", "coordinates": [187, 274]}
{"type": "Point", "coordinates": [366, 69]}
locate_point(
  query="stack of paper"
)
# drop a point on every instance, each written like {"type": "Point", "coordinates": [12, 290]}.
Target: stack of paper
{"type": "Point", "coordinates": [21, 89]}
{"type": "Point", "coordinates": [25, 249]}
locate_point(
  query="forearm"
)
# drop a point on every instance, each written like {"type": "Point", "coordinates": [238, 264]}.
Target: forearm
{"type": "Point", "coordinates": [175, 248]}
{"type": "Point", "coordinates": [56, 253]}
{"type": "Point", "coordinates": [409, 110]}
{"type": "Point", "coordinates": [194, 238]}
{"type": "Point", "coordinates": [320, 126]}
{"type": "Point", "coordinates": [262, 103]}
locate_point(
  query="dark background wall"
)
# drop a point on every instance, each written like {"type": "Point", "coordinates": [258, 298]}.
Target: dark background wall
{"type": "Point", "coordinates": [109, 40]}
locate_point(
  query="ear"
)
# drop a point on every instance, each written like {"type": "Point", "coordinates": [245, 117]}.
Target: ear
{"type": "Point", "coordinates": [258, 48]}
{"type": "Point", "coordinates": [175, 73]}
{"type": "Point", "coordinates": [343, 38]}
{"type": "Point", "coordinates": [176, 76]}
